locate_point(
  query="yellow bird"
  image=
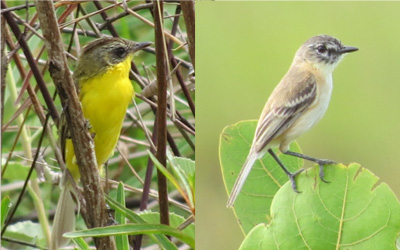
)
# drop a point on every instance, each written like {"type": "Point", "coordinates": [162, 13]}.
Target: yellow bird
{"type": "Point", "coordinates": [105, 91]}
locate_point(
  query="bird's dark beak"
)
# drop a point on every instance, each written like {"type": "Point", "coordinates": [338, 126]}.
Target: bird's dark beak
{"type": "Point", "coordinates": [139, 46]}
{"type": "Point", "coordinates": [347, 49]}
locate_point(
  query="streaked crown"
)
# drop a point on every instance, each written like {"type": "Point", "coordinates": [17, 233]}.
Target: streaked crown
{"type": "Point", "coordinates": [323, 51]}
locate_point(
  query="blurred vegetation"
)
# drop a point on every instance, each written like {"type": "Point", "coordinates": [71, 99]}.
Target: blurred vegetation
{"type": "Point", "coordinates": [18, 149]}
{"type": "Point", "coordinates": [246, 48]}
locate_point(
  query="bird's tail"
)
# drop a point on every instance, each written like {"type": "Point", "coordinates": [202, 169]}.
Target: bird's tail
{"type": "Point", "coordinates": [241, 178]}
{"type": "Point", "coordinates": [64, 219]}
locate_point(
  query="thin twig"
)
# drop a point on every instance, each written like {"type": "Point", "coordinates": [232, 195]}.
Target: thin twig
{"type": "Point", "coordinates": [125, 13]}
{"type": "Point", "coordinates": [25, 244]}
{"type": "Point", "coordinates": [20, 7]}
{"type": "Point", "coordinates": [167, 34]}
{"type": "Point", "coordinates": [104, 15]}
{"type": "Point", "coordinates": [91, 23]}
{"type": "Point", "coordinates": [28, 26]}
{"type": "Point", "coordinates": [181, 121]}
{"type": "Point", "coordinates": [189, 16]}
{"type": "Point", "coordinates": [174, 63]}
{"type": "Point", "coordinates": [146, 131]}
{"type": "Point", "coordinates": [147, 181]}
{"type": "Point", "coordinates": [88, 15]}
{"type": "Point", "coordinates": [4, 67]}
{"type": "Point", "coordinates": [124, 157]}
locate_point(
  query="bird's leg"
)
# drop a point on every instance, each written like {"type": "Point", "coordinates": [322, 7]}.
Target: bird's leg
{"type": "Point", "coordinates": [320, 162]}
{"type": "Point", "coordinates": [289, 174]}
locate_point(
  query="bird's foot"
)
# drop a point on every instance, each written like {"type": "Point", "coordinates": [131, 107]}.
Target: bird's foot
{"type": "Point", "coordinates": [292, 180]}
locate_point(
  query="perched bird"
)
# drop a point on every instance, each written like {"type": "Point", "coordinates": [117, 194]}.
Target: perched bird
{"type": "Point", "coordinates": [105, 91]}
{"type": "Point", "coordinates": [296, 105]}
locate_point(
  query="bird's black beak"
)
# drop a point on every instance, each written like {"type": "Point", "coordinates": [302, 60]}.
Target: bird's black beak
{"type": "Point", "coordinates": [347, 49]}
{"type": "Point", "coordinates": [139, 46]}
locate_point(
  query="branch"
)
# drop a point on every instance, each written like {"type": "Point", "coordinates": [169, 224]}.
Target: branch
{"type": "Point", "coordinates": [189, 16]}
{"type": "Point", "coordinates": [4, 65]}
{"type": "Point", "coordinates": [174, 63]}
{"type": "Point", "coordinates": [110, 20]}
{"type": "Point", "coordinates": [81, 138]}
{"type": "Point", "coordinates": [161, 65]}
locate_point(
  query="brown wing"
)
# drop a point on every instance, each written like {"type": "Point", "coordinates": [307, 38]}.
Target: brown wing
{"type": "Point", "coordinates": [282, 112]}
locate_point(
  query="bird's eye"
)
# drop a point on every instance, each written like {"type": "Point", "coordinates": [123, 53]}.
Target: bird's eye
{"type": "Point", "coordinates": [321, 49]}
{"type": "Point", "coordinates": [120, 52]}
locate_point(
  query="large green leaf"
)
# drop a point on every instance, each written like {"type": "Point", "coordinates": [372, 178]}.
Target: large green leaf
{"type": "Point", "coordinates": [265, 179]}
{"type": "Point", "coordinates": [353, 211]}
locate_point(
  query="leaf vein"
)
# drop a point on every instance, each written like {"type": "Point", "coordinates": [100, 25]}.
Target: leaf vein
{"type": "Point", "coordinates": [343, 210]}
{"type": "Point", "coordinates": [298, 226]}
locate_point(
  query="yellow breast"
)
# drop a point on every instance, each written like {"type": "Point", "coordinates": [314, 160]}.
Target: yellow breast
{"type": "Point", "coordinates": [104, 99]}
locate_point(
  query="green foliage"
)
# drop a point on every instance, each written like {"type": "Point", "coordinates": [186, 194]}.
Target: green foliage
{"type": "Point", "coordinates": [133, 217]}
{"type": "Point", "coordinates": [81, 243]}
{"type": "Point", "coordinates": [184, 170]}
{"type": "Point", "coordinates": [352, 211]}
{"type": "Point", "coordinates": [26, 231]}
{"type": "Point", "coordinates": [5, 208]}
{"type": "Point", "coordinates": [121, 241]}
{"type": "Point", "coordinates": [264, 180]}
{"type": "Point", "coordinates": [175, 221]}
{"type": "Point", "coordinates": [17, 171]}
{"type": "Point", "coordinates": [181, 177]}
{"type": "Point", "coordinates": [133, 229]}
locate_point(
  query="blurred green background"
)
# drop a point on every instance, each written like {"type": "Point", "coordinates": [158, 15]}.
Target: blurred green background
{"type": "Point", "coordinates": [245, 48]}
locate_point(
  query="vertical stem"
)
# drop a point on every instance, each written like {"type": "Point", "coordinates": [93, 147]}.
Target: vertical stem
{"type": "Point", "coordinates": [162, 75]}
{"type": "Point", "coordinates": [189, 16]}
{"type": "Point", "coordinates": [174, 62]}
{"type": "Point", "coordinates": [4, 65]}
{"type": "Point", "coordinates": [146, 187]}
{"type": "Point", "coordinates": [110, 27]}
